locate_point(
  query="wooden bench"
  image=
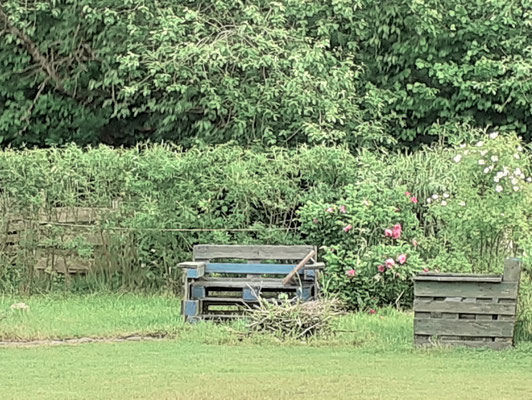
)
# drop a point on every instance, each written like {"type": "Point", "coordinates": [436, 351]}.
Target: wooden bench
{"type": "Point", "coordinates": [466, 309]}
{"type": "Point", "coordinates": [224, 279]}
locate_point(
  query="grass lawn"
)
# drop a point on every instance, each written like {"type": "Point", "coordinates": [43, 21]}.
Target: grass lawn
{"type": "Point", "coordinates": [372, 359]}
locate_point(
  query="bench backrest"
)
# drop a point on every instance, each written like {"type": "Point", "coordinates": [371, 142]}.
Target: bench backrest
{"type": "Point", "coordinates": [289, 256]}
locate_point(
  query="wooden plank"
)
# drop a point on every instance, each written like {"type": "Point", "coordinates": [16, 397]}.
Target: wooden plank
{"type": "Point", "coordinates": [465, 289]}
{"type": "Point", "coordinates": [431, 342]}
{"type": "Point", "coordinates": [230, 268]}
{"type": "Point", "coordinates": [492, 279]}
{"type": "Point", "coordinates": [209, 252]}
{"type": "Point", "coordinates": [452, 274]}
{"type": "Point", "coordinates": [191, 264]}
{"type": "Point", "coordinates": [266, 283]}
{"type": "Point", "coordinates": [61, 264]}
{"type": "Point", "coordinates": [298, 267]}
{"type": "Point", "coordinates": [512, 270]}
{"type": "Point", "coordinates": [463, 307]}
{"type": "Point", "coordinates": [439, 327]}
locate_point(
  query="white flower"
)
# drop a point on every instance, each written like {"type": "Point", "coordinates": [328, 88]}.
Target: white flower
{"type": "Point", "coordinates": [494, 135]}
{"type": "Point", "coordinates": [516, 156]}
{"type": "Point", "coordinates": [498, 188]}
{"type": "Point", "coordinates": [435, 196]}
{"type": "Point", "coordinates": [519, 148]}
{"type": "Point", "coordinates": [494, 158]}
{"type": "Point", "coordinates": [457, 158]}
{"type": "Point", "coordinates": [443, 203]}
{"type": "Point", "coordinates": [517, 171]}
{"type": "Point", "coordinates": [429, 200]}
{"type": "Point", "coordinates": [462, 203]}
{"type": "Point", "coordinates": [480, 144]}
{"type": "Point", "coordinates": [483, 152]}
{"type": "Point", "coordinates": [516, 188]}
{"type": "Point", "coordinates": [514, 181]}
{"type": "Point", "coordinates": [529, 179]}
{"type": "Point", "coordinates": [486, 170]}
{"type": "Point", "coordinates": [462, 145]}
{"type": "Point", "coordinates": [446, 195]}
{"type": "Point", "coordinates": [481, 162]}
{"type": "Point", "coordinates": [496, 179]}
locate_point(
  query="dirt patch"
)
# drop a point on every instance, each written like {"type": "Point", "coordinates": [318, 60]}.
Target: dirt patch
{"type": "Point", "coordinates": [81, 340]}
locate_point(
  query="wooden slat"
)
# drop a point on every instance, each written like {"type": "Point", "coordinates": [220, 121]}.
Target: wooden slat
{"type": "Point", "coordinates": [488, 279]}
{"type": "Point", "coordinates": [60, 264]}
{"type": "Point", "coordinates": [209, 252]}
{"type": "Point", "coordinates": [228, 268]}
{"type": "Point", "coordinates": [466, 289]}
{"type": "Point", "coordinates": [463, 307]}
{"type": "Point", "coordinates": [438, 327]}
{"type": "Point", "coordinates": [429, 342]}
{"type": "Point", "coordinates": [451, 274]}
{"type": "Point", "coordinates": [266, 283]}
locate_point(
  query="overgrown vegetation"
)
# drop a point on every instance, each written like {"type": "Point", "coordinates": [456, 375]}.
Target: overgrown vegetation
{"type": "Point", "coordinates": [278, 73]}
{"type": "Point", "coordinates": [381, 217]}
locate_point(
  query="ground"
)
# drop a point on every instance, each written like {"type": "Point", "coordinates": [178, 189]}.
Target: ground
{"type": "Point", "coordinates": [372, 358]}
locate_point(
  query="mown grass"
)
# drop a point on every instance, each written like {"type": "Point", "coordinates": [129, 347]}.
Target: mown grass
{"type": "Point", "coordinates": [370, 357]}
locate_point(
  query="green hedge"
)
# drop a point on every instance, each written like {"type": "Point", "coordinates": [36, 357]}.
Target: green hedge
{"type": "Point", "coordinates": [460, 209]}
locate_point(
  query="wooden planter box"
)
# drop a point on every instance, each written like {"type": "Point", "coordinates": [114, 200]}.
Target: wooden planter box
{"type": "Point", "coordinates": [466, 309]}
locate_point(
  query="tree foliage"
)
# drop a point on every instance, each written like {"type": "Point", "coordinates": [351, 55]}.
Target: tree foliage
{"type": "Point", "coordinates": [278, 73]}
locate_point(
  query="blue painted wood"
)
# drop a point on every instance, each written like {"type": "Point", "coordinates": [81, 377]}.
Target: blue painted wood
{"type": "Point", "coordinates": [249, 294]}
{"type": "Point", "coordinates": [191, 307]}
{"type": "Point", "coordinates": [195, 273]}
{"type": "Point", "coordinates": [304, 293]}
{"type": "Point", "coordinates": [309, 274]}
{"type": "Point", "coordinates": [198, 292]}
{"type": "Point", "coordinates": [270, 269]}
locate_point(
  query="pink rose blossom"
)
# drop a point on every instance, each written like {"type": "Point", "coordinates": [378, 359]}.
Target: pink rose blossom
{"type": "Point", "coordinates": [372, 311]}
{"type": "Point", "coordinates": [426, 269]}
{"type": "Point", "coordinates": [408, 194]}
{"type": "Point", "coordinates": [381, 268]}
{"type": "Point", "coordinates": [401, 258]}
{"type": "Point", "coordinates": [347, 228]}
{"type": "Point", "coordinates": [342, 209]}
{"type": "Point", "coordinates": [414, 243]}
{"type": "Point", "coordinates": [351, 272]}
{"type": "Point", "coordinates": [388, 233]}
{"type": "Point", "coordinates": [396, 232]}
{"type": "Point", "coordinates": [390, 262]}
{"type": "Point", "coordinates": [413, 199]}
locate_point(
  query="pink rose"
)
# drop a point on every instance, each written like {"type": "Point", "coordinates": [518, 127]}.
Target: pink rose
{"type": "Point", "coordinates": [396, 231]}
{"type": "Point", "coordinates": [426, 269]}
{"type": "Point", "coordinates": [351, 272]}
{"type": "Point", "coordinates": [388, 233]}
{"type": "Point", "coordinates": [372, 311]}
{"type": "Point", "coordinates": [401, 258]}
{"type": "Point", "coordinates": [381, 268]}
{"type": "Point", "coordinates": [390, 262]}
{"type": "Point", "coordinates": [408, 194]}
{"type": "Point", "coordinates": [347, 228]}
{"type": "Point", "coordinates": [342, 209]}
{"type": "Point", "coordinates": [413, 199]}
{"type": "Point", "coordinates": [414, 243]}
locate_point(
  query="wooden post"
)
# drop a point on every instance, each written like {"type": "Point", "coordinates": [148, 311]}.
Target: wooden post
{"type": "Point", "coordinates": [512, 270]}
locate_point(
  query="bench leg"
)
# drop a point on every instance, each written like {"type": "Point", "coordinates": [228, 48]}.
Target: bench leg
{"type": "Point", "coordinates": [191, 308]}
{"type": "Point", "coordinates": [304, 293]}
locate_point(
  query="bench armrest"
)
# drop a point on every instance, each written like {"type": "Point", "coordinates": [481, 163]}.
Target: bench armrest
{"type": "Point", "coordinates": [191, 264]}
{"type": "Point", "coordinates": [317, 265]}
